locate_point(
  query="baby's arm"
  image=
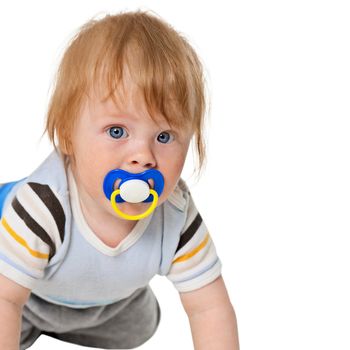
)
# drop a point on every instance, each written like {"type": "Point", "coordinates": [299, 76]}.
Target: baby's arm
{"type": "Point", "coordinates": [12, 298]}
{"type": "Point", "coordinates": [212, 317]}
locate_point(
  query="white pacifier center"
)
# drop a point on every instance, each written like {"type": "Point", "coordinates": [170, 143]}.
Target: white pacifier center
{"type": "Point", "coordinates": [134, 191]}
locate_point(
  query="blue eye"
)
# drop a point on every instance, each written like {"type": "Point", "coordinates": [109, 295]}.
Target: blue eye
{"type": "Point", "coordinates": [117, 132]}
{"type": "Point", "coordinates": [165, 137]}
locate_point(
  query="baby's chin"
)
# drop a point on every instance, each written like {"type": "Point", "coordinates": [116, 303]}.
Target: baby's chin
{"type": "Point", "coordinates": [133, 208]}
{"type": "Point", "coordinates": [137, 208]}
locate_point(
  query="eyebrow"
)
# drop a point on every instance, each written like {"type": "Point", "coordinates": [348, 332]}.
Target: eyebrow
{"type": "Point", "coordinates": [163, 124]}
{"type": "Point", "coordinates": [119, 116]}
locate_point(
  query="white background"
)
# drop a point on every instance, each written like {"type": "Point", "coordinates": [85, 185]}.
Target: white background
{"type": "Point", "coordinates": [275, 193]}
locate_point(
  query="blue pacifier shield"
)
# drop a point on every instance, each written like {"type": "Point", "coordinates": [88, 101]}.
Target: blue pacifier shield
{"type": "Point", "coordinates": [119, 174]}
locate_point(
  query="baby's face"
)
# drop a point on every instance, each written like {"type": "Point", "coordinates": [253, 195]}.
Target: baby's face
{"type": "Point", "coordinates": [108, 137]}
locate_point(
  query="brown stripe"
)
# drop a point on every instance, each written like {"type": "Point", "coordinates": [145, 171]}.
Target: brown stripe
{"type": "Point", "coordinates": [189, 233]}
{"type": "Point", "coordinates": [33, 226]}
{"type": "Point", "coordinates": [52, 203]}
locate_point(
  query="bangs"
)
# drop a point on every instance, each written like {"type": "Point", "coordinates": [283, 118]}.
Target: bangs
{"type": "Point", "coordinates": [157, 68]}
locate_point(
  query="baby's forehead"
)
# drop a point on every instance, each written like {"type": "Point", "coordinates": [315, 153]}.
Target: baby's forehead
{"type": "Point", "coordinates": [130, 107]}
{"type": "Point", "coordinates": [127, 93]}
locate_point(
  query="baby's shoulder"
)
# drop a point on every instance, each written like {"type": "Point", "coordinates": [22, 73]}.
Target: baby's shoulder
{"type": "Point", "coordinates": [51, 175]}
{"type": "Point", "coordinates": [179, 198]}
{"type": "Point", "coordinates": [47, 182]}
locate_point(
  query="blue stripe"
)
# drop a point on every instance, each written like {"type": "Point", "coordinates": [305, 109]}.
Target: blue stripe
{"type": "Point", "coordinates": [4, 191]}
{"type": "Point", "coordinates": [207, 268]}
{"type": "Point", "coordinates": [16, 266]}
{"type": "Point", "coordinates": [79, 303]}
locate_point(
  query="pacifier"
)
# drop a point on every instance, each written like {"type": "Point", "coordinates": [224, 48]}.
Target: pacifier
{"type": "Point", "coordinates": [133, 188]}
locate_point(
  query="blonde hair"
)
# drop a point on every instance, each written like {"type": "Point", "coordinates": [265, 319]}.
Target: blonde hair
{"type": "Point", "coordinates": [163, 65]}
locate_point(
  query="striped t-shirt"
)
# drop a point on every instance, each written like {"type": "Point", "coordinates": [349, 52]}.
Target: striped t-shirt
{"type": "Point", "coordinates": [47, 246]}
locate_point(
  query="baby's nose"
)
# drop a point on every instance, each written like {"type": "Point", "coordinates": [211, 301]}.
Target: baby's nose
{"type": "Point", "coordinates": [143, 157]}
{"type": "Point", "coordinates": [147, 165]}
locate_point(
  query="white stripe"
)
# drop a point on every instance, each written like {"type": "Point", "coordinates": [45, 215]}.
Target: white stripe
{"type": "Point", "coordinates": [16, 276]}
{"type": "Point", "coordinates": [19, 254]}
{"type": "Point", "coordinates": [39, 212]}
{"type": "Point", "coordinates": [19, 226]}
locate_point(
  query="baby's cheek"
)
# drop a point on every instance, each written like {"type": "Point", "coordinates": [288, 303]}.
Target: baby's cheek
{"type": "Point", "coordinates": [93, 184]}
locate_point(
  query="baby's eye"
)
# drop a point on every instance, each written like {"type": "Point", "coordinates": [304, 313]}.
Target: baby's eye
{"type": "Point", "coordinates": [117, 132]}
{"type": "Point", "coordinates": [165, 137]}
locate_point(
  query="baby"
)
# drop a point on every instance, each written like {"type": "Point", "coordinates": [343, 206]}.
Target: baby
{"type": "Point", "coordinates": [129, 95]}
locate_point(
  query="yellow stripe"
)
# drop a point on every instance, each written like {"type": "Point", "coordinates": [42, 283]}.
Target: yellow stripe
{"type": "Point", "coordinates": [22, 242]}
{"type": "Point", "coordinates": [193, 252]}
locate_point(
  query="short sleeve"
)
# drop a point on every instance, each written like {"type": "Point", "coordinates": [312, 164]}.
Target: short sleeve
{"type": "Point", "coordinates": [195, 263]}
{"type": "Point", "coordinates": [31, 231]}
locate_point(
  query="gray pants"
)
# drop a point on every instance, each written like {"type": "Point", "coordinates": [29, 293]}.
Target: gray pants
{"type": "Point", "coordinates": [123, 325]}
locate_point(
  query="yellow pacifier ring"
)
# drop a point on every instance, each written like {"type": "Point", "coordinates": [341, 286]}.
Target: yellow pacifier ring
{"type": "Point", "coordinates": [134, 217]}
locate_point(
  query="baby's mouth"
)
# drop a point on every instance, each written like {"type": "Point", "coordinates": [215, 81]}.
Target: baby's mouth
{"type": "Point", "coordinates": [149, 181]}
